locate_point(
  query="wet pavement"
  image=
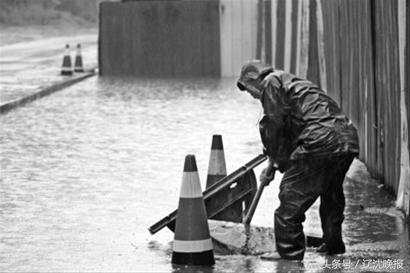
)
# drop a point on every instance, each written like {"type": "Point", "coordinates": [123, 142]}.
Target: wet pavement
{"type": "Point", "coordinates": [85, 172]}
{"type": "Point", "coordinates": [27, 67]}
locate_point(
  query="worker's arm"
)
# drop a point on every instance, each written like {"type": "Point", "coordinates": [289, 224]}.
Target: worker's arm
{"type": "Point", "coordinates": [272, 125]}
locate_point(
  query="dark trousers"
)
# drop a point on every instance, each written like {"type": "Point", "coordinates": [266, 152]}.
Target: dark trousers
{"type": "Point", "coordinates": [303, 182]}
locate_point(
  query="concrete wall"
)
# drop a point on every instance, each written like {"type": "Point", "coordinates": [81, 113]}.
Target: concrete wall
{"type": "Point", "coordinates": [160, 38]}
{"type": "Point", "coordinates": [238, 20]}
{"type": "Point", "coordinates": [177, 38]}
{"type": "Point", "coordinates": [403, 194]}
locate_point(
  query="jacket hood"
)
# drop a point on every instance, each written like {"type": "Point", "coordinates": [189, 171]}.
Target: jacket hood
{"type": "Point", "coordinates": [251, 72]}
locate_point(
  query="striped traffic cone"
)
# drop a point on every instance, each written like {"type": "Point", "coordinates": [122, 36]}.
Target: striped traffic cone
{"type": "Point", "coordinates": [66, 69]}
{"type": "Point", "coordinates": [192, 241]}
{"type": "Point", "coordinates": [217, 166]}
{"type": "Point", "coordinates": [78, 64]}
{"type": "Point", "coordinates": [217, 171]}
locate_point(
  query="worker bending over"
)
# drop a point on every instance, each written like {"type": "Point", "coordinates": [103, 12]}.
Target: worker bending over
{"type": "Point", "coordinates": [306, 136]}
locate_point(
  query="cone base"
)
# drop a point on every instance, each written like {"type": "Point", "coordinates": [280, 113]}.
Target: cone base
{"type": "Point", "coordinates": [66, 73]}
{"type": "Point", "coordinates": [200, 258]}
{"type": "Point", "coordinates": [79, 70]}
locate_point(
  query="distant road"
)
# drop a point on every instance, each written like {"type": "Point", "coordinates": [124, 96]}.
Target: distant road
{"type": "Point", "coordinates": [27, 66]}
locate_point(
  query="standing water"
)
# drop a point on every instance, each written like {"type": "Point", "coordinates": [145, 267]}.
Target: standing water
{"type": "Point", "coordinates": [86, 171]}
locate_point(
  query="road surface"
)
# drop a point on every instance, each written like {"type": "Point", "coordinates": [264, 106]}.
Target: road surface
{"type": "Point", "coordinates": [27, 67]}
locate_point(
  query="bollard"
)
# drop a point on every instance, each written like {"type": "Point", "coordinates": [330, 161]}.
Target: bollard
{"type": "Point", "coordinates": [66, 69]}
{"type": "Point", "coordinates": [78, 64]}
{"type": "Point", "coordinates": [217, 171]}
{"type": "Point", "coordinates": [192, 241]}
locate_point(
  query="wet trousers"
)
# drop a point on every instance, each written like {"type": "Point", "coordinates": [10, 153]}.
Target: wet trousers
{"type": "Point", "coordinates": [303, 182]}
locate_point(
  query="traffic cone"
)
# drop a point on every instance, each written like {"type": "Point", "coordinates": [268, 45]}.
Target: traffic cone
{"type": "Point", "coordinates": [66, 70]}
{"type": "Point", "coordinates": [217, 166]}
{"type": "Point", "coordinates": [217, 171]}
{"type": "Point", "coordinates": [78, 64]}
{"type": "Point", "coordinates": [192, 241]}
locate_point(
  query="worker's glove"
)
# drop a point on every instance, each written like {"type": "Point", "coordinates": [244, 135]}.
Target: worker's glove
{"type": "Point", "coordinates": [267, 175]}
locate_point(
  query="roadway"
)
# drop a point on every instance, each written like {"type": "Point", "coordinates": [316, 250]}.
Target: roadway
{"type": "Point", "coordinates": [27, 67]}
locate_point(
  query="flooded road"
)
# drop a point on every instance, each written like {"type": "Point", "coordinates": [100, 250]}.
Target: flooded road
{"type": "Point", "coordinates": [86, 171]}
{"type": "Point", "coordinates": [27, 66]}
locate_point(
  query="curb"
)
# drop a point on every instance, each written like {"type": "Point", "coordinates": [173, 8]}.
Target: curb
{"type": "Point", "coordinates": [8, 106]}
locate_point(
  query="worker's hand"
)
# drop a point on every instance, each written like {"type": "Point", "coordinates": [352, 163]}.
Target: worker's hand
{"type": "Point", "coordinates": [267, 175]}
